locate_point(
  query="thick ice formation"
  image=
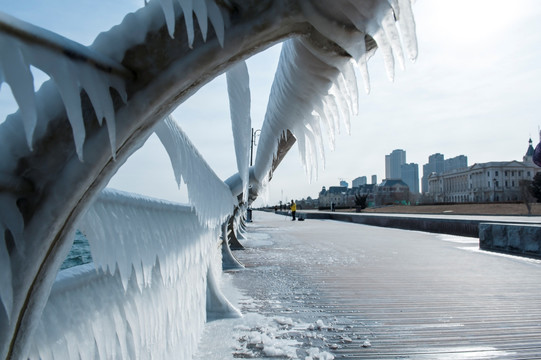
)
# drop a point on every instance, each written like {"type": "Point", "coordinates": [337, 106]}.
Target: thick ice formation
{"type": "Point", "coordinates": [211, 198]}
{"type": "Point", "coordinates": [150, 296]}
{"type": "Point", "coordinates": [314, 88]}
{"type": "Point", "coordinates": [84, 69]}
{"type": "Point", "coordinates": [303, 99]}
{"type": "Point", "coordinates": [204, 10]}
{"type": "Point", "coordinates": [238, 86]}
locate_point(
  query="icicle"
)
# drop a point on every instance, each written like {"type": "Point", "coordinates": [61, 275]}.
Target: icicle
{"type": "Point", "coordinates": [328, 123]}
{"type": "Point", "coordinates": [217, 20]}
{"type": "Point", "coordinates": [239, 104]}
{"type": "Point", "coordinates": [407, 27]}
{"type": "Point", "coordinates": [200, 10]}
{"type": "Point", "coordinates": [388, 58]}
{"type": "Point", "coordinates": [169, 13]}
{"type": "Point", "coordinates": [95, 85]}
{"type": "Point", "coordinates": [348, 74]}
{"type": "Point", "coordinates": [12, 218]}
{"type": "Point", "coordinates": [12, 221]}
{"type": "Point", "coordinates": [187, 9]}
{"type": "Point", "coordinates": [6, 287]}
{"type": "Point", "coordinates": [64, 76]}
{"type": "Point", "coordinates": [334, 110]}
{"type": "Point", "coordinates": [342, 106]}
{"type": "Point", "coordinates": [204, 10]}
{"type": "Point", "coordinates": [70, 77]}
{"type": "Point", "coordinates": [345, 93]}
{"type": "Point", "coordinates": [362, 63]}
{"type": "Point", "coordinates": [319, 138]}
{"type": "Point", "coordinates": [389, 27]}
{"type": "Point", "coordinates": [395, 8]}
{"type": "Point", "coordinates": [16, 71]}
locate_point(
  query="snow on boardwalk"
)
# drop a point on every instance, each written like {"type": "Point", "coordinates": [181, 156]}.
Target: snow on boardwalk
{"type": "Point", "coordinates": [356, 291]}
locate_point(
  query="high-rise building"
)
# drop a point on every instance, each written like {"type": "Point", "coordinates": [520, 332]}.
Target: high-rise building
{"type": "Point", "coordinates": [436, 164]}
{"type": "Point", "coordinates": [374, 179]}
{"type": "Point", "coordinates": [410, 175]}
{"type": "Point", "coordinates": [360, 181]}
{"type": "Point", "coordinates": [344, 183]}
{"type": "Point", "coordinates": [393, 163]}
{"type": "Point", "coordinates": [458, 162]}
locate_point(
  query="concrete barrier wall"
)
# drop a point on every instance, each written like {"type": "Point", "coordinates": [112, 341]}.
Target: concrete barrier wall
{"type": "Point", "coordinates": [515, 239]}
{"type": "Point", "coordinates": [468, 228]}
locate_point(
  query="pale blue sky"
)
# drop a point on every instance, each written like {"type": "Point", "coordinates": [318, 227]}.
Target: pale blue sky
{"type": "Point", "coordinates": [474, 90]}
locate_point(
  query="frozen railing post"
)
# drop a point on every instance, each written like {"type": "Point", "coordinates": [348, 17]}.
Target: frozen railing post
{"type": "Point", "coordinates": [56, 156]}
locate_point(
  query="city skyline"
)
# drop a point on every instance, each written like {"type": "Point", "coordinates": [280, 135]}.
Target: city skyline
{"type": "Point", "coordinates": [447, 164]}
{"type": "Point", "coordinates": [463, 95]}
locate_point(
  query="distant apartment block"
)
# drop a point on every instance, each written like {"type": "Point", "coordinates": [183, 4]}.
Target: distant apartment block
{"type": "Point", "coordinates": [410, 175]}
{"type": "Point", "coordinates": [458, 162]}
{"type": "Point", "coordinates": [358, 181]}
{"type": "Point", "coordinates": [435, 165]}
{"type": "Point", "coordinates": [374, 179]}
{"type": "Point", "coordinates": [393, 163]}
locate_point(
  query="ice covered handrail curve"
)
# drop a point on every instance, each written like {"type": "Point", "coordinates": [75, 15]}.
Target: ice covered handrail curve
{"type": "Point", "coordinates": [71, 65]}
{"type": "Point", "coordinates": [32, 34]}
{"type": "Point", "coordinates": [168, 71]}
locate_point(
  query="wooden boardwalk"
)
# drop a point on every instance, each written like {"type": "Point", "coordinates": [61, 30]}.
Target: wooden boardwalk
{"type": "Point", "coordinates": [394, 294]}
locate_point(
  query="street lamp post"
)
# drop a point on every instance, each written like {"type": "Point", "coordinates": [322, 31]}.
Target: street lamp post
{"type": "Point", "coordinates": [252, 144]}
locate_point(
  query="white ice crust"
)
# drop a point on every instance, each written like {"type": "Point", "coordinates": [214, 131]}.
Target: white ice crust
{"type": "Point", "coordinates": [148, 292]}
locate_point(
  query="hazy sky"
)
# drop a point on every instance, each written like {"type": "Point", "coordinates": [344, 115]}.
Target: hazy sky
{"type": "Point", "coordinates": [474, 90]}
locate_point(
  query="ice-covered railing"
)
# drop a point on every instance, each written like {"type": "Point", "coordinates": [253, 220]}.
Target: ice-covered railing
{"type": "Point", "coordinates": [147, 295]}
{"type": "Point", "coordinates": [70, 65]}
{"type": "Point", "coordinates": [314, 88]}
{"type": "Point", "coordinates": [211, 198]}
{"type": "Point", "coordinates": [56, 157]}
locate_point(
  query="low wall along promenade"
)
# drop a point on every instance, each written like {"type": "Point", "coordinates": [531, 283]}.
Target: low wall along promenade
{"type": "Point", "coordinates": [515, 239]}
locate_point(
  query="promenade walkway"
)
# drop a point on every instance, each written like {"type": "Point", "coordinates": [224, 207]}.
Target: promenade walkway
{"type": "Point", "coordinates": [379, 293]}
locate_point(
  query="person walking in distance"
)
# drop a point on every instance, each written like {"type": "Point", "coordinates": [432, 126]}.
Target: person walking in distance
{"type": "Point", "coordinates": [293, 209]}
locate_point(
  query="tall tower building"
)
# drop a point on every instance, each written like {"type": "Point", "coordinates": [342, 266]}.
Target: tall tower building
{"type": "Point", "coordinates": [436, 164]}
{"type": "Point", "coordinates": [393, 163]}
{"type": "Point", "coordinates": [410, 175]}
{"type": "Point", "coordinates": [458, 162]}
{"type": "Point", "coordinates": [374, 179]}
